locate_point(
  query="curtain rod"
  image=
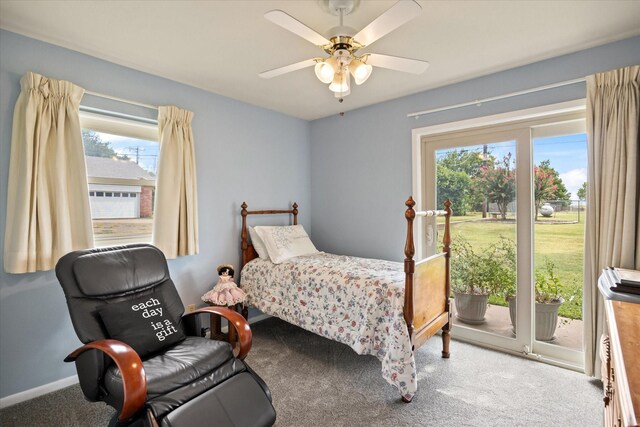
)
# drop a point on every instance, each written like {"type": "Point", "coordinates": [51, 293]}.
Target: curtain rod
{"type": "Point", "coordinates": [118, 115]}
{"type": "Point", "coordinates": [495, 98]}
{"type": "Point", "coordinates": [115, 98]}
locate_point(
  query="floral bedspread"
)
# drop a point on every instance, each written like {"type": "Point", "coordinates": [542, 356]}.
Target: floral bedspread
{"type": "Point", "coordinates": [355, 301]}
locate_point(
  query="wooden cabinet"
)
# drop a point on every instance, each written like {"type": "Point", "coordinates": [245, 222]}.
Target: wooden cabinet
{"type": "Point", "coordinates": [620, 355]}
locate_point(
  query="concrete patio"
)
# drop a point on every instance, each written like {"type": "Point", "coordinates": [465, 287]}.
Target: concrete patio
{"type": "Point", "coordinates": [568, 333]}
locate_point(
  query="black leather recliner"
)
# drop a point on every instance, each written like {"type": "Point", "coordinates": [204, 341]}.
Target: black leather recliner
{"type": "Point", "coordinates": [195, 382]}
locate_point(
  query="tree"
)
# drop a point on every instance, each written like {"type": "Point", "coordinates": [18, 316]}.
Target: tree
{"type": "Point", "coordinates": [453, 185]}
{"type": "Point", "coordinates": [94, 146]}
{"type": "Point", "coordinates": [582, 192]}
{"type": "Point", "coordinates": [544, 187]}
{"type": "Point", "coordinates": [465, 161]}
{"type": "Point", "coordinates": [469, 163]}
{"type": "Point", "coordinates": [561, 192]}
{"type": "Point", "coordinates": [498, 182]}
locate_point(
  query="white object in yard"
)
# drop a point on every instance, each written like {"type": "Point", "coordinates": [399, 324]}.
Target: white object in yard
{"type": "Point", "coordinates": [546, 210]}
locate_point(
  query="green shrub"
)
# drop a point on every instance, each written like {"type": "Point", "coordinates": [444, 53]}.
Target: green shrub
{"type": "Point", "coordinates": [482, 272]}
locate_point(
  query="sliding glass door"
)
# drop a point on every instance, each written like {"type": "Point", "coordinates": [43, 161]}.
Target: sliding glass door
{"type": "Point", "coordinates": [559, 182]}
{"type": "Point", "coordinates": [517, 233]}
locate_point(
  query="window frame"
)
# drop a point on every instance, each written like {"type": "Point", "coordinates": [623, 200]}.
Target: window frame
{"type": "Point", "coordinates": [126, 128]}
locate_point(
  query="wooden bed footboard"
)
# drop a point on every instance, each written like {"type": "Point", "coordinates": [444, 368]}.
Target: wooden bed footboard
{"type": "Point", "coordinates": [427, 308]}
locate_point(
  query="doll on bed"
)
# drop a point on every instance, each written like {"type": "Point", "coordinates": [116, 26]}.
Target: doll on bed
{"type": "Point", "coordinates": [225, 292]}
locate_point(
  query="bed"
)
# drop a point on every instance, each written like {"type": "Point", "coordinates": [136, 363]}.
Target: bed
{"type": "Point", "coordinates": [376, 307]}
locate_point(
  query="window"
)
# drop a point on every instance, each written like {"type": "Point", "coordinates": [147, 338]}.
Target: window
{"type": "Point", "coordinates": [121, 157]}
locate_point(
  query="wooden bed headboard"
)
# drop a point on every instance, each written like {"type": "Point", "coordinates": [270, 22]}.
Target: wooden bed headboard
{"type": "Point", "coordinates": [248, 253]}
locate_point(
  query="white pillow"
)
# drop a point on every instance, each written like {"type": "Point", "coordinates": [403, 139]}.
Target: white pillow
{"type": "Point", "coordinates": [258, 244]}
{"type": "Point", "coordinates": [286, 242]}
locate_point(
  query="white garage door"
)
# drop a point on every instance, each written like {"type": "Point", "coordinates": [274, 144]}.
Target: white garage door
{"type": "Point", "coordinates": [114, 201]}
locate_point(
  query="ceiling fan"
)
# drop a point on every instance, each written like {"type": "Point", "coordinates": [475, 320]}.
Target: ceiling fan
{"type": "Point", "coordinates": [343, 62]}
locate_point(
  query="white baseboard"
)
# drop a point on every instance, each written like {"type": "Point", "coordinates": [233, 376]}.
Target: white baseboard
{"type": "Point", "coordinates": [66, 382]}
{"type": "Point", "coordinates": [37, 391]}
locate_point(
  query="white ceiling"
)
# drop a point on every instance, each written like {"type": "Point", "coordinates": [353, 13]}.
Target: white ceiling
{"type": "Point", "coordinates": [221, 46]}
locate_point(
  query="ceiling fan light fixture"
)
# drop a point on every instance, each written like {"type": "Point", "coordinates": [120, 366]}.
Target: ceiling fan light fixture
{"type": "Point", "coordinates": [340, 83]}
{"type": "Point", "coordinates": [360, 71]}
{"type": "Point", "coordinates": [324, 72]}
{"type": "Point", "coordinates": [341, 95]}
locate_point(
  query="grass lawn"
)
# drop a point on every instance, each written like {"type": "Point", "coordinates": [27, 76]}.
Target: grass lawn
{"type": "Point", "coordinates": [561, 242]}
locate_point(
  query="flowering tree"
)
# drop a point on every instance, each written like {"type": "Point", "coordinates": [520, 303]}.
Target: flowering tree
{"type": "Point", "coordinates": [498, 182]}
{"type": "Point", "coordinates": [544, 187]}
{"type": "Point", "coordinates": [561, 192]}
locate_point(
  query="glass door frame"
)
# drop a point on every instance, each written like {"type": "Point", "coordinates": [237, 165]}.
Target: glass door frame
{"type": "Point", "coordinates": [524, 195]}
{"type": "Point", "coordinates": [513, 126]}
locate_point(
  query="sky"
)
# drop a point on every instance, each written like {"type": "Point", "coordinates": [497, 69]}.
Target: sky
{"type": "Point", "coordinates": [568, 155]}
{"type": "Point", "coordinates": [145, 151]}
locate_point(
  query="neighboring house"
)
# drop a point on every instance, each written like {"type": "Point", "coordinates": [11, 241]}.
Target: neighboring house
{"type": "Point", "coordinates": [119, 188]}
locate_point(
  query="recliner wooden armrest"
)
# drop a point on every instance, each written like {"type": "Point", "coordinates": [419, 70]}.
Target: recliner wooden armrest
{"type": "Point", "coordinates": [239, 323]}
{"type": "Point", "coordinates": [134, 380]}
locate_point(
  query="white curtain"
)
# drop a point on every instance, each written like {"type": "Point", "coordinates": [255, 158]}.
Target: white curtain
{"type": "Point", "coordinates": [175, 224]}
{"type": "Point", "coordinates": [612, 235]}
{"type": "Point", "coordinates": [48, 210]}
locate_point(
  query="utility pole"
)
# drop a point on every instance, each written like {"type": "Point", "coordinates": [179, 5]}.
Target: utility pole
{"type": "Point", "coordinates": [136, 150]}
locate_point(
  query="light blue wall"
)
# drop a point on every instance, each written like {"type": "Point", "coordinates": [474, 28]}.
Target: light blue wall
{"type": "Point", "coordinates": [243, 153]}
{"type": "Point", "coordinates": [361, 162]}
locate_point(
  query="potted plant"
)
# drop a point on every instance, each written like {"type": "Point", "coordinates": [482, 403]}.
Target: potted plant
{"type": "Point", "coordinates": [547, 301]}
{"type": "Point", "coordinates": [474, 276]}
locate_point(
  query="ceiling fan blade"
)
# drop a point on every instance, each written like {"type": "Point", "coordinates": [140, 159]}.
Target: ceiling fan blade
{"type": "Point", "coordinates": [414, 66]}
{"type": "Point", "coordinates": [290, 23]}
{"type": "Point", "coordinates": [287, 69]}
{"type": "Point", "coordinates": [400, 13]}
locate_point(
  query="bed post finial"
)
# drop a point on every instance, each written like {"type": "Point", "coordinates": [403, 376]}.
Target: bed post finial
{"type": "Point", "coordinates": [410, 214]}
{"type": "Point", "coordinates": [409, 267]}
{"type": "Point", "coordinates": [295, 213]}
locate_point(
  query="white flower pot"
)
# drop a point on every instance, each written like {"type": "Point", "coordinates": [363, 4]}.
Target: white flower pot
{"type": "Point", "coordinates": [546, 320]}
{"type": "Point", "coordinates": [471, 308]}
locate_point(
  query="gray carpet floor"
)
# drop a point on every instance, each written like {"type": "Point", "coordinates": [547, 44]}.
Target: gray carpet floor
{"type": "Point", "coordinates": [317, 382]}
